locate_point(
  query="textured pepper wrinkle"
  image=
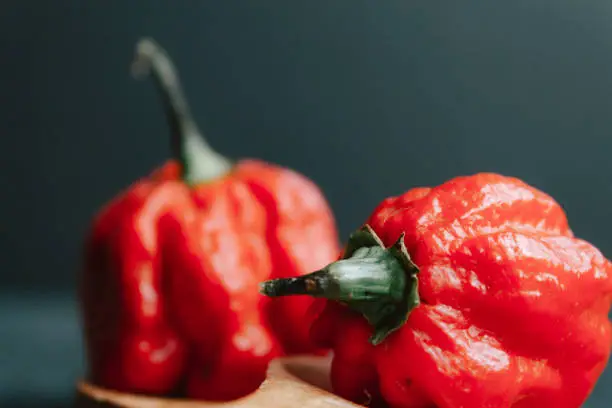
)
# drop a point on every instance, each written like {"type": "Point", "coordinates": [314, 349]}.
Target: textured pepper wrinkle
{"type": "Point", "coordinates": [172, 266]}
{"type": "Point", "coordinates": [513, 307]}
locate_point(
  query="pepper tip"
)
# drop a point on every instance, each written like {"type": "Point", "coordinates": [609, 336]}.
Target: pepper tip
{"type": "Point", "coordinates": [265, 289]}
{"type": "Point", "coordinates": [145, 48]}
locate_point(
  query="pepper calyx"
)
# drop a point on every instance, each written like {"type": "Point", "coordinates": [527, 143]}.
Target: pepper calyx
{"type": "Point", "coordinates": [376, 281]}
{"type": "Point", "coordinates": [199, 162]}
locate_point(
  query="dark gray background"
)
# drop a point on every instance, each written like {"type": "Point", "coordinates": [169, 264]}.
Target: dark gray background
{"type": "Point", "coordinates": [366, 98]}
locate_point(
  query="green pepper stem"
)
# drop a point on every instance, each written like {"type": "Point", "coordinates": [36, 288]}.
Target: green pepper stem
{"type": "Point", "coordinates": [314, 284]}
{"type": "Point", "coordinates": [380, 283]}
{"type": "Point", "coordinates": [199, 162]}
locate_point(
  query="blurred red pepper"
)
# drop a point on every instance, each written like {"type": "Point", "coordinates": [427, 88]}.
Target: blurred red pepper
{"type": "Point", "coordinates": [169, 289]}
{"type": "Point", "coordinates": [474, 293]}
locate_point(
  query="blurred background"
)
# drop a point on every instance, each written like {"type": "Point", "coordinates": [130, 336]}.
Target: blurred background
{"type": "Point", "coordinates": [366, 98]}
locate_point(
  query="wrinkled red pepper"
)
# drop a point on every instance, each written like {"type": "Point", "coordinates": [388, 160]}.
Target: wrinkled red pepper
{"type": "Point", "coordinates": [169, 288]}
{"type": "Point", "coordinates": [475, 293]}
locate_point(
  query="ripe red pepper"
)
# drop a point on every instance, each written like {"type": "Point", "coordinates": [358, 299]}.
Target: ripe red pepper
{"type": "Point", "coordinates": [169, 288]}
{"type": "Point", "coordinates": [474, 293]}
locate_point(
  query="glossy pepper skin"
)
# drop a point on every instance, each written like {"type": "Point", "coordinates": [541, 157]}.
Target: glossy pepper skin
{"type": "Point", "coordinates": [502, 306]}
{"type": "Point", "coordinates": [169, 289]}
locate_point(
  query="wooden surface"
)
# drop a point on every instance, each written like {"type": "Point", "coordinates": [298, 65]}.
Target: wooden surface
{"type": "Point", "coordinates": [291, 382]}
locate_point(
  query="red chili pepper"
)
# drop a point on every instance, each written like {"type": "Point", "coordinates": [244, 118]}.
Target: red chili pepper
{"type": "Point", "coordinates": [169, 289]}
{"type": "Point", "coordinates": [471, 294]}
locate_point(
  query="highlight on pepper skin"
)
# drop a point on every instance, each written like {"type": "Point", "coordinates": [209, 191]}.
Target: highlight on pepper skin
{"type": "Point", "coordinates": [169, 287]}
{"type": "Point", "coordinates": [494, 302]}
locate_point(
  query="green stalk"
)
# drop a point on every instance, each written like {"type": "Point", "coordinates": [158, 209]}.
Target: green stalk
{"type": "Point", "coordinates": [380, 283]}
{"type": "Point", "coordinates": [199, 162]}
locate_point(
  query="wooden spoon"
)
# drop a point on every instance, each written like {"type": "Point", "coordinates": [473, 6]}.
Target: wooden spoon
{"type": "Point", "coordinates": [291, 382]}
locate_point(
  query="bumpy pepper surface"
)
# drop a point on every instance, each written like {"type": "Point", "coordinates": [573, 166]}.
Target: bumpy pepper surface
{"type": "Point", "coordinates": [169, 289]}
{"type": "Point", "coordinates": [474, 293]}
